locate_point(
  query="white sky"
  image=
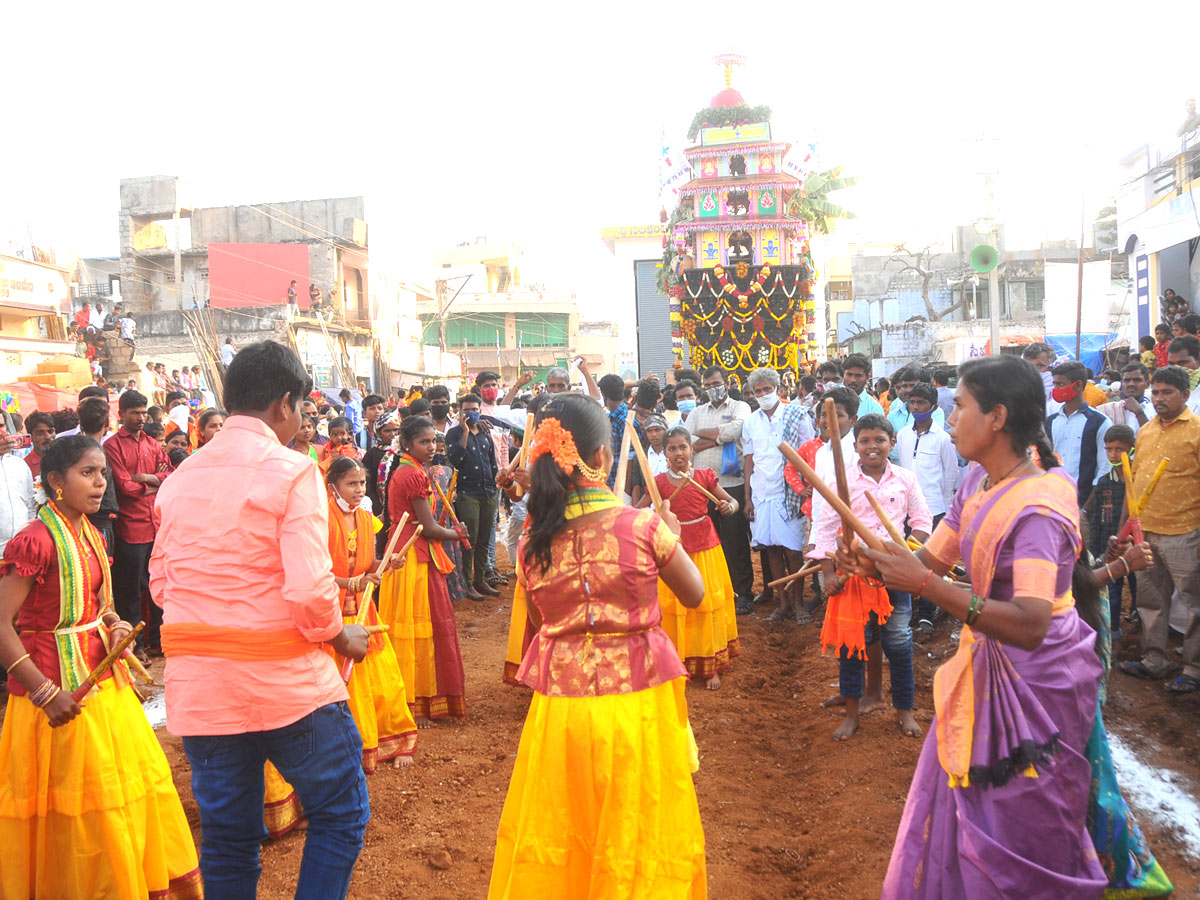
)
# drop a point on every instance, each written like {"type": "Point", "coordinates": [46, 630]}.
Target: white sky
{"type": "Point", "coordinates": [542, 122]}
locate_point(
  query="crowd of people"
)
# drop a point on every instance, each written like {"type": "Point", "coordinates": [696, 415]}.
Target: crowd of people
{"type": "Point", "coordinates": [998, 501]}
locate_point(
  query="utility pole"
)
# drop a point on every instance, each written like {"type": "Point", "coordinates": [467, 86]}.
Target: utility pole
{"type": "Point", "coordinates": [440, 289]}
{"type": "Point", "coordinates": [994, 294]}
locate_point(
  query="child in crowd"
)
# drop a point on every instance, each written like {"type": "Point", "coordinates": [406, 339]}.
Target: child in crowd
{"type": "Point", "coordinates": [1105, 514]}
{"type": "Point", "coordinates": [1162, 340]}
{"type": "Point", "coordinates": [156, 415]}
{"type": "Point", "coordinates": [797, 484]}
{"type": "Point", "coordinates": [378, 700]}
{"type": "Point", "coordinates": [1146, 345]}
{"type": "Point", "coordinates": [341, 442]}
{"type": "Point", "coordinates": [706, 635]}
{"type": "Point", "coordinates": [157, 432]}
{"type": "Point", "coordinates": [414, 600]}
{"type": "Point", "coordinates": [655, 429]}
{"type": "Point", "coordinates": [854, 603]}
{"type": "Point", "coordinates": [177, 456]}
{"type": "Point", "coordinates": [926, 450]}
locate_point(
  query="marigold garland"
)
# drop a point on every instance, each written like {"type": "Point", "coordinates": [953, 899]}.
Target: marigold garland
{"type": "Point", "coordinates": [555, 440]}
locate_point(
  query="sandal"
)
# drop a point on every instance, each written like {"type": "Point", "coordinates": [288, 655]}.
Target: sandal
{"type": "Point", "coordinates": [1184, 684]}
{"type": "Point", "coordinates": [803, 616]}
{"type": "Point", "coordinates": [1137, 670]}
{"type": "Point", "coordinates": [779, 615]}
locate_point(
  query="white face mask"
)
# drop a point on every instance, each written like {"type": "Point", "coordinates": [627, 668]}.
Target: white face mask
{"type": "Point", "coordinates": [716, 394]}
{"type": "Point", "coordinates": [342, 504]}
{"type": "Point", "coordinates": [769, 401]}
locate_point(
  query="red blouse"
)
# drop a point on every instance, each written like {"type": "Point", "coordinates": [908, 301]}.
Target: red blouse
{"type": "Point", "coordinates": [32, 552]}
{"type": "Point", "coordinates": [601, 623]}
{"type": "Point", "coordinates": [408, 483]}
{"type": "Point", "coordinates": [696, 529]}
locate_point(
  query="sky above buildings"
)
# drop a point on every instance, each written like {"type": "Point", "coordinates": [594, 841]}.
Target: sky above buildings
{"type": "Point", "coordinates": [543, 122]}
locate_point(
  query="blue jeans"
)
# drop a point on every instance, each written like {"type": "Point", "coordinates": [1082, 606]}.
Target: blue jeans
{"type": "Point", "coordinates": [896, 636]}
{"type": "Point", "coordinates": [321, 757]}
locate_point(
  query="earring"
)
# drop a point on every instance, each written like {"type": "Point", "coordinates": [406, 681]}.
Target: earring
{"type": "Point", "coordinates": [58, 495]}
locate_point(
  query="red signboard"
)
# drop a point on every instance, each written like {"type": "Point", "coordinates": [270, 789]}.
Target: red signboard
{"type": "Point", "coordinates": [257, 274]}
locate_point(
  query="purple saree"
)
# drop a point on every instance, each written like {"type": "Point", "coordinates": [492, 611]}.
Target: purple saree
{"type": "Point", "coordinates": [998, 804]}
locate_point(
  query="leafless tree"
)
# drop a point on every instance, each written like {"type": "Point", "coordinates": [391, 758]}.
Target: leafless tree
{"type": "Point", "coordinates": [919, 263]}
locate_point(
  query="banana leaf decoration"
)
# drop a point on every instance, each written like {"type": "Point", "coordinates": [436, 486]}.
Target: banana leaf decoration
{"type": "Point", "coordinates": [810, 203]}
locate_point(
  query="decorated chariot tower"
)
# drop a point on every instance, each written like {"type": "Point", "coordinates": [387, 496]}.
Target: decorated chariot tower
{"type": "Point", "coordinates": [737, 264]}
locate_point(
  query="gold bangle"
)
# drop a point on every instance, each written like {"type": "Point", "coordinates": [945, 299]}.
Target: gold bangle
{"type": "Point", "coordinates": [16, 662]}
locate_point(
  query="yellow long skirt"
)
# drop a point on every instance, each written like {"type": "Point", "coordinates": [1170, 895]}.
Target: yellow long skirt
{"type": "Point", "coordinates": [281, 806]}
{"type": "Point", "coordinates": [404, 606]}
{"type": "Point", "coordinates": [515, 651]}
{"type": "Point", "coordinates": [601, 802]}
{"type": "Point", "coordinates": [379, 702]}
{"type": "Point", "coordinates": [89, 809]}
{"type": "Point", "coordinates": [705, 637]}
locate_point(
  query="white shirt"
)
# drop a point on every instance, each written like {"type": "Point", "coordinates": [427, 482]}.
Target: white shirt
{"type": "Point", "coordinates": [932, 458]}
{"type": "Point", "coordinates": [227, 354]}
{"type": "Point", "coordinates": [827, 472]}
{"type": "Point", "coordinates": [761, 437]}
{"type": "Point", "coordinates": [95, 318]}
{"type": "Point", "coordinates": [16, 503]}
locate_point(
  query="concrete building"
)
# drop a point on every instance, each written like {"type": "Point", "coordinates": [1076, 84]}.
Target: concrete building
{"type": "Point", "coordinates": [640, 310]}
{"type": "Point", "coordinates": [493, 319]}
{"type": "Point", "coordinates": [1158, 226]}
{"type": "Point", "coordinates": [35, 298]}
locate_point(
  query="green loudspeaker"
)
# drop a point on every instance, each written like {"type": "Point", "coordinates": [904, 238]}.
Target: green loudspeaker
{"type": "Point", "coordinates": [984, 258]}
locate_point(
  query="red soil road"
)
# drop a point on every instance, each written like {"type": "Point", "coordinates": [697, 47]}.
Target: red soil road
{"type": "Point", "coordinates": [787, 812]}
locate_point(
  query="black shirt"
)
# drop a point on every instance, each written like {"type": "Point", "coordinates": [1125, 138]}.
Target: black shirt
{"type": "Point", "coordinates": [476, 462]}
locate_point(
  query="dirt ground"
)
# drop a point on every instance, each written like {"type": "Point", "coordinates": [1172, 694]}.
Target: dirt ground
{"type": "Point", "coordinates": [787, 812]}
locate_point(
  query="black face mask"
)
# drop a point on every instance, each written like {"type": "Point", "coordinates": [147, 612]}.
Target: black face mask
{"type": "Point", "coordinates": [439, 412]}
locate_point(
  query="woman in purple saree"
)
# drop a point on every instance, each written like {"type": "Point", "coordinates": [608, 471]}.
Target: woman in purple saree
{"type": "Point", "coordinates": [998, 803]}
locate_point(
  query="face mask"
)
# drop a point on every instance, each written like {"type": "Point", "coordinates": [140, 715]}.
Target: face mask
{"type": "Point", "coordinates": [768, 401]}
{"type": "Point", "coordinates": [342, 504]}
{"type": "Point", "coordinates": [686, 406]}
{"type": "Point", "coordinates": [439, 412]}
{"type": "Point", "coordinates": [490, 394]}
{"type": "Point", "coordinates": [1065, 394]}
{"type": "Point", "coordinates": [717, 393]}
{"type": "Point", "coordinates": [471, 417]}
{"type": "Point", "coordinates": [923, 416]}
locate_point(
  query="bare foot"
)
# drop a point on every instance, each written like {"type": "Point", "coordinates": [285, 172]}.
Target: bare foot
{"type": "Point", "coordinates": [846, 730]}
{"type": "Point", "coordinates": [424, 723]}
{"type": "Point", "coordinates": [402, 762]}
{"type": "Point", "coordinates": [713, 683]}
{"type": "Point", "coordinates": [870, 703]}
{"type": "Point", "coordinates": [835, 700]}
{"type": "Point", "coordinates": [908, 724]}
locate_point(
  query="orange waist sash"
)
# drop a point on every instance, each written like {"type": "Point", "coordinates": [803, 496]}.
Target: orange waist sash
{"type": "Point", "coordinates": [241, 644]}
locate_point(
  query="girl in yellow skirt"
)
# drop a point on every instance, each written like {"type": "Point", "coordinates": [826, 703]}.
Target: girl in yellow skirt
{"type": "Point", "coordinates": [706, 636]}
{"type": "Point", "coordinates": [414, 601]}
{"type": "Point", "coordinates": [87, 804]}
{"type": "Point", "coordinates": [377, 696]}
{"type": "Point", "coordinates": [601, 802]}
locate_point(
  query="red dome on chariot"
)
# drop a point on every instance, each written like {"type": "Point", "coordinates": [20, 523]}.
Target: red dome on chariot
{"type": "Point", "coordinates": [727, 97]}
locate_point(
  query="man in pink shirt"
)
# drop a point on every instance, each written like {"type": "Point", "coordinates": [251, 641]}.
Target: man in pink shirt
{"type": "Point", "coordinates": [241, 569]}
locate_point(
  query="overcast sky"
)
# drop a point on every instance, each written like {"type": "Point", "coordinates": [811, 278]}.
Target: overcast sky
{"type": "Point", "coordinates": [542, 122]}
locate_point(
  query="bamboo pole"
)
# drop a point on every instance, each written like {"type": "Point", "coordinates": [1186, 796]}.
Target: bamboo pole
{"type": "Point", "coordinates": [647, 475]}
{"type": "Point", "coordinates": [623, 461]}
{"type": "Point", "coordinates": [839, 462]}
{"type": "Point", "coordinates": [895, 532]}
{"type": "Point", "coordinates": [810, 567]}
{"type": "Point", "coordinates": [689, 480]}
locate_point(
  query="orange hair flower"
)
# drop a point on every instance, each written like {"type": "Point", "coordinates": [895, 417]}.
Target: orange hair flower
{"type": "Point", "coordinates": [552, 438]}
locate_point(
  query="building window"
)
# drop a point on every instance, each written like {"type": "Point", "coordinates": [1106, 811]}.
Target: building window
{"type": "Point", "coordinates": [1163, 182]}
{"type": "Point", "coordinates": [542, 329]}
{"type": "Point", "coordinates": [1035, 296]}
{"type": "Point", "coordinates": [476, 330]}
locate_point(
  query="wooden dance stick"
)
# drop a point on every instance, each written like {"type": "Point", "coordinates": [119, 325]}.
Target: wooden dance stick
{"type": "Point", "coordinates": [377, 629]}
{"type": "Point", "coordinates": [107, 663]}
{"type": "Point", "coordinates": [448, 508]}
{"type": "Point", "coordinates": [689, 480]}
{"type": "Point", "coordinates": [135, 665]}
{"type": "Point", "coordinates": [811, 567]}
{"type": "Point", "coordinates": [855, 523]}
{"type": "Point", "coordinates": [1133, 526]}
{"type": "Point", "coordinates": [364, 604]}
{"type": "Point", "coordinates": [887, 523]}
{"type": "Point", "coordinates": [839, 462]}
{"type": "Point", "coordinates": [1158, 473]}
{"type": "Point", "coordinates": [516, 460]}
{"type": "Point", "coordinates": [623, 460]}
{"type": "Point", "coordinates": [453, 483]}
{"type": "Point", "coordinates": [647, 475]}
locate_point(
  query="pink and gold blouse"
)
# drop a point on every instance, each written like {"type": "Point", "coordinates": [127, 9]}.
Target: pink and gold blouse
{"type": "Point", "coordinates": [601, 623]}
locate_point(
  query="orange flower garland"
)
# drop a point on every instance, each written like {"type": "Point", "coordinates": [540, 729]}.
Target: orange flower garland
{"type": "Point", "coordinates": [552, 438]}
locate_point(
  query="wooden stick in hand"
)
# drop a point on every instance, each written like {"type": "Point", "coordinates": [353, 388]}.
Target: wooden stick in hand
{"type": "Point", "coordinates": [887, 523]}
{"type": "Point", "coordinates": [856, 524]}
{"type": "Point", "coordinates": [690, 480]}
{"type": "Point", "coordinates": [644, 463]}
{"type": "Point", "coordinates": [839, 462]}
{"type": "Point", "coordinates": [623, 460]}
